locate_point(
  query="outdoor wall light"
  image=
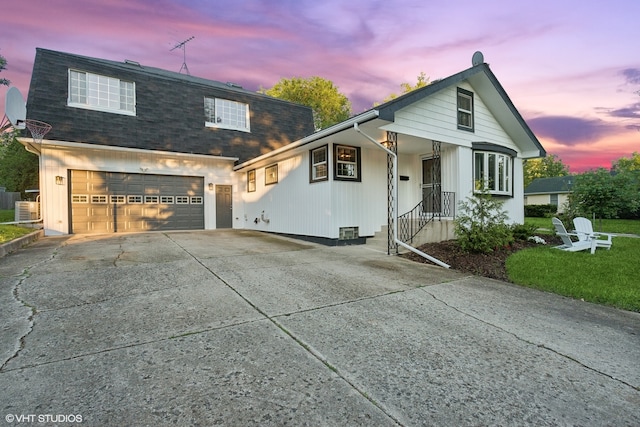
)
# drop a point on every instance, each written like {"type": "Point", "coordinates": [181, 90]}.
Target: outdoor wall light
{"type": "Point", "coordinates": [59, 180]}
{"type": "Point", "coordinates": [211, 186]}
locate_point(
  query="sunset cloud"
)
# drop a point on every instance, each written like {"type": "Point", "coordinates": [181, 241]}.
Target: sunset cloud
{"type": "Point", "coordinates": [565, 61]}
{"type": "Point", "coordinates": [570, 131]}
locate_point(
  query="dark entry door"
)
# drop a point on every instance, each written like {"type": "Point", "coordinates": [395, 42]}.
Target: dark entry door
{"type": "Point", "coordinates": [430, 186]}
{"type": "Point", "coordinates": [224, 209]}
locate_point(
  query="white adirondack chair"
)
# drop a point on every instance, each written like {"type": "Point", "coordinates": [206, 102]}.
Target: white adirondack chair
{"type": "Point", "coordinates": [568, 244]}
{"type": "Point", "coordinates": [584, 230]}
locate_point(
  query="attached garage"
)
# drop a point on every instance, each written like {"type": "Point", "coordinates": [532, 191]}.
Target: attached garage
{"type": "Point", "coordinates": [112, 202]}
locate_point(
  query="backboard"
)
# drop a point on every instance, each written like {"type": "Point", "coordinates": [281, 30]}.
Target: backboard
{"type": "Point", "coordinates": [15, 108]}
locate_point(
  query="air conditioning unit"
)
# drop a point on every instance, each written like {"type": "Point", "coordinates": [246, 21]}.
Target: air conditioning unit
{"type": "Point", "coordinates": [27, 211]}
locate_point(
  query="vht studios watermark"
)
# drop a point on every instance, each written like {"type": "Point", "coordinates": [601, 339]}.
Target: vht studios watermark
{"type": "Point", "coordinates": [43, 418]}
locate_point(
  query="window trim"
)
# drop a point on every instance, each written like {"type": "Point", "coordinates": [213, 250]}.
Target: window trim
{"type": "Point", "coordinates": [251, 182]}
{"type": "Point", "coordinates": [219, 123]}
{"type": "Point", "coordinates": [87, 106]}
{"type": "Point", "coordinates": [460, 110]}
{"type": "Point", "coordinates": [506, 177]}
{"type": "Point", "coordinates": [337, 162]}
{"type": "Point", "coordinates": [267, 181]}
{"type": "Point", "coordinates": [312, 165]}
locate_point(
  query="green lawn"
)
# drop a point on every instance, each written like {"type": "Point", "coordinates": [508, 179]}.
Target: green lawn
{"type": "Point", "coordinates": [607, 277]}
{"type": "Point", "coordinates": [10, 232]}
{"type": "Point", "coordinates": [7, 215]}
{"type": "Point", "coordinates": [625, 226]}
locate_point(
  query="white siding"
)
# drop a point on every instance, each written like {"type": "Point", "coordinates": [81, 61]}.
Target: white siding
{"type": "Point", "coordinates": [296, 206]}
{"type": "Point", "coordinates": [436, 118]}
{"type": "Point", "coordinates": [58, 160]}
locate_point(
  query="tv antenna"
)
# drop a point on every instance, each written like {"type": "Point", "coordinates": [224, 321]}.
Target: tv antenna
{"type": "Point", "coordinates": [183, 45]}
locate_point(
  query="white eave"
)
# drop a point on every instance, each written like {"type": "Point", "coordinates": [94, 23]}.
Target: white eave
{"type": "Point", "coordinates": [28, 142]}
{"type": "Point", "coordinates": [346, 125]}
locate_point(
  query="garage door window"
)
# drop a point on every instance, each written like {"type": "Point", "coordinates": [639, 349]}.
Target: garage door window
{"type": "Point", "coordinates": [182, 200]}
{"type": "Point", "coordinates": [167, 200]}
{"type": "Point", "coordinates": [151, 199]}
{"type": "Point", "coordinates": [196, 200]}
{"type": "Point", "coordinates": [99, 199]}
{"type": "Point", "coordinates": [117, 199]}
{"type": "Point", "coordinates": [134, 199]}
{"type": "Point", "coordinates": [79, 198]}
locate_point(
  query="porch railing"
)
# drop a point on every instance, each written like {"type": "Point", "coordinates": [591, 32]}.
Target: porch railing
{"type": "Point", "coordinates": [433, 205]}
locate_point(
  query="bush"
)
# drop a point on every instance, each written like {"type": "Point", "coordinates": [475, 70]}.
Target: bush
{"type": "Point", "coordinates": [540, 211]}
{"type": "Point", "coordinates": [480, 226]}
{"type": "Point", "coordinates": [523, 231]}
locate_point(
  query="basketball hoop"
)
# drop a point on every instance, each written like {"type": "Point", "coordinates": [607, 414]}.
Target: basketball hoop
{"type": "Point", "coordinates": [38, 129]}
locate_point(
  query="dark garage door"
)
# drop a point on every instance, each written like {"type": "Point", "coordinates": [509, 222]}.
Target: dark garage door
{"type": "Point", "coordinates": [111, 202]}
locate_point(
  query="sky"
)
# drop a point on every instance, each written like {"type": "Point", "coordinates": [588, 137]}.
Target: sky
{"type": "Point", "coordinates": [571, 67]}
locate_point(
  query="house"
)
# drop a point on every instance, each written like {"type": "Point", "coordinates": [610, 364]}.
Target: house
{"type": "Point", "coordinates": [136, 148]}
{"type": "Point", "coordinates": [418, 155]}
{"type": "Point", "coordinates": [549, 191]}
{"type": "Point", "coordinates": [182, 152]}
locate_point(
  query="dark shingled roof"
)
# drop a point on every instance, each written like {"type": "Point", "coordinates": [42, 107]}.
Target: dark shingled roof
{"type": "Point", "coordinates": [169, 110]}
{"type": "Point", "coordinates": [558, 184]}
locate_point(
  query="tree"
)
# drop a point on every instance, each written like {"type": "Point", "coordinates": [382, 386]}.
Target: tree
{"type": "Point", "coordinates": [604, 194]}
{"type": "Point", "coordinates": [18, 167]}
{"type": "Point", "coordinates": [328, 104]}
{"type": "Point", "coordinates": [625, 164]}
{"type": "Point", "coordinates": [3, 66]}
{"type": "Point", "coordinates": [480, 224]}
{"type": "Point", "coordinates": [422, 81]}
{"type": "Point", "coordinates": [546, 167]}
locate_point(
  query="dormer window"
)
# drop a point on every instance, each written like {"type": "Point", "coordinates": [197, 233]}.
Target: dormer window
{"type": "Point", "coordinates": [465, 110]}
{"type": "Point", "coordinates": [226, 114]}
{"type": "Point", "coordinates": [102, 93]}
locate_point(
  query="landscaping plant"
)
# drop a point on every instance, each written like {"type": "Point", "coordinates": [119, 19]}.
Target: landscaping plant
{"type": "Point", "coordinates": [481, 224]}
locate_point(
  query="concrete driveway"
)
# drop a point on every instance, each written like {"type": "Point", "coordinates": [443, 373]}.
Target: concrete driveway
{"type": "Point", "coordinates": [240, 328]}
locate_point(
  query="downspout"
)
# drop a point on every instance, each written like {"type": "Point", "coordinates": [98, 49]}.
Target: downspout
{"type": "Point", "coordinates": [395, 198]}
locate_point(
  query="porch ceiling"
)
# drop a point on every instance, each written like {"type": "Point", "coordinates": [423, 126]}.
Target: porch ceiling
{"type": "Point", "coordinates": [407, 144]}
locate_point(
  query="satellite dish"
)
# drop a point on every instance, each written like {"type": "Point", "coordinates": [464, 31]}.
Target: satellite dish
{"type": "Point", "coordinates": [15, 108]}
{"type": "Point", "coordinates": [477, 59]}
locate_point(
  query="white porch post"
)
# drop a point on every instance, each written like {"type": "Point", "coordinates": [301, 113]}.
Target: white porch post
{"type": "Point", "coordinates": [392, 203]}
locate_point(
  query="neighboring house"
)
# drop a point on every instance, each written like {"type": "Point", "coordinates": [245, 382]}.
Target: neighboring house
{"type": "Point", "coordinates": [549, 191]}
{"type": "Point", "coordinates": [160, 159]}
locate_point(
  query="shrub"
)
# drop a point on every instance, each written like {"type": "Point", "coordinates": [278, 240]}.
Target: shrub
{"type": "Point", "coordinates": [523, 231]}
{"type": "Point", "coordinates": [540, 211]}
{"type": "Point", "coordinates": [480, 225]}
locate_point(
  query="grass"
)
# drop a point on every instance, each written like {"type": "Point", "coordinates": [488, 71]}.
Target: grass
{"type": "Point", "coordinates": [7, 215]}
{"type": "Point", "coordinates": [625, 226]}
{"type": "Point", "coordinates": [10, 232]}
{"type": "Point", "coordinates": [608, 277]}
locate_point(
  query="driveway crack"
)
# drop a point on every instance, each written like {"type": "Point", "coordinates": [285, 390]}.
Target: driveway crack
{"type": "Point", "coordinates": [33, 311]}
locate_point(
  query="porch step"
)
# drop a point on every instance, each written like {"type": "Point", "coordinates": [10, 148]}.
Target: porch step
{"type": "Point", "coordinates": [435, 231]}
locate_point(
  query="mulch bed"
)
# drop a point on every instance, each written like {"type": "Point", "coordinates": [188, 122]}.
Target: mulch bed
{"type": "Point", "coordinates": [490, 265]}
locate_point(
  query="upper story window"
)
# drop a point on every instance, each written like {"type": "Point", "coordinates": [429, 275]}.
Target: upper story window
{"type": "Point", "coordinates": [465, 110]}
{"type": "Point", "coordinates": [346, 163]}
{"type": "Point", "coordinates": [492, 172]}
{"type": "Point", "coordinates": [226, 114]}
{"type": "Point", "coordinates": [96, 92]}
{"type": "Point", "coordinates": [318, 164]}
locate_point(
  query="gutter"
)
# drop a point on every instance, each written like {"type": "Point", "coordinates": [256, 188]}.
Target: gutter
{"type": "Point", "coordinates": [347, 124]}
{"type": "Point", "coordinates": [395, 199]}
